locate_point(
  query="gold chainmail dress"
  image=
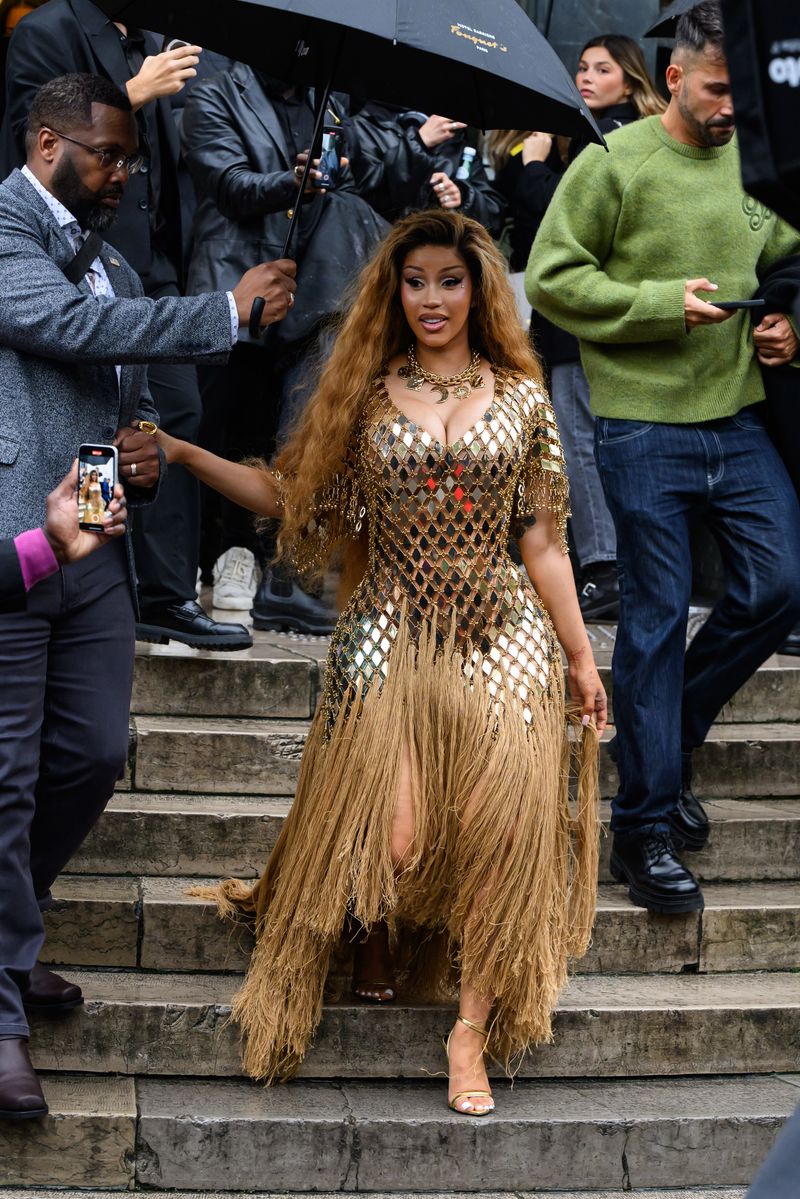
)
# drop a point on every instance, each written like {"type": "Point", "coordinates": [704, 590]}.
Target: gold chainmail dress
{"type": "Point", "coordinates": [444, 651]}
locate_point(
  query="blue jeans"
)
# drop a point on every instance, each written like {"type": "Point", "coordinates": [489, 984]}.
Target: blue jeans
{"type": "Point", "coordinates": [658, 479]}
{"type": "Point", "coordinates": [592, 526]}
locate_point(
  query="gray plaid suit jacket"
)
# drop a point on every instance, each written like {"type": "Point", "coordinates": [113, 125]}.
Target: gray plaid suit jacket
{"type": "Point", "coordinates": [58, 350]}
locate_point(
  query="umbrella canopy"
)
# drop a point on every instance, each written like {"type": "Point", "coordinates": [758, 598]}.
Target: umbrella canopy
{"type": "Point", "coordinates": [486, 64]}
{"type": "Point", "coordinates": [666, 23]}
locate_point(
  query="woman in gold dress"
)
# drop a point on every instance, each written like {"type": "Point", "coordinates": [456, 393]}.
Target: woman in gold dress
{"type": "Point", "coordinates": [93, 508]}
{"type": "Point", "coordinates": [433, 792]}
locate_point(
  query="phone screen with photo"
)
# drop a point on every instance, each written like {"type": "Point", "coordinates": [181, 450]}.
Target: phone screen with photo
{"type": "Point", "coordinates": [97, 477]}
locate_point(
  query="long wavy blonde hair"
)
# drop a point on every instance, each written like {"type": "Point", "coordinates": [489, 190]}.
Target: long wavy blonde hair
{"type": "Point", "coordinates": [371, 331]}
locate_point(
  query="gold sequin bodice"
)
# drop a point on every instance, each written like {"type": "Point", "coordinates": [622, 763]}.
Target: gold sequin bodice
{"type": "Point", "coordinates": [439, 519]}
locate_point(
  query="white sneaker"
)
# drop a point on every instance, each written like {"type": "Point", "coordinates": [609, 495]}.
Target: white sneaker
{"type": "Point", "coordinates": [235, 580]}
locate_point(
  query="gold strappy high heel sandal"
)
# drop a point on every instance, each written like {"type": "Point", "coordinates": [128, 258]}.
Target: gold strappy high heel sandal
{"type": "Point", "coordinates": [471, 1094]}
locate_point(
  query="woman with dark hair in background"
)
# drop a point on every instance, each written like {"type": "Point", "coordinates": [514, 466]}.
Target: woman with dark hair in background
{"type": "Point", "coordinates": [613, 79]}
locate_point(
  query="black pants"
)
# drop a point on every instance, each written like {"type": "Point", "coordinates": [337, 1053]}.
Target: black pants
{"type": "Point", "coordinates": [67, 666]}
{"type": "Point", "coordinates": [249, 407]}
{"type": "Point", "coordinates": [166, 535]}
{"type": "Point", "coordinates": [240, 408]}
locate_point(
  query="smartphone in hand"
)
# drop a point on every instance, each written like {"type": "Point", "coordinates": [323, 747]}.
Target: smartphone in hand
{"type": "Point", "coordinates": [329, 162]}
{"type": "Point", "coordinates": [98, 471]}
{"type": "Point", "coordinates": [735, 305]}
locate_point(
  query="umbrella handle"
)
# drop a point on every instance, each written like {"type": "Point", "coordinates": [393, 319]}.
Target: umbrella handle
{"type": "Point", "coordinates": [323, 98]}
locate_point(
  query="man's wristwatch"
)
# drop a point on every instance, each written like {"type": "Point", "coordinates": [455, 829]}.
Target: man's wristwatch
{"type": "Point", "coordinates": [146, 426]}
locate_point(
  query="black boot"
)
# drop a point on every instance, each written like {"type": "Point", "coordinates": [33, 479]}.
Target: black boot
{"type": "Point", "coordinates": [187, 622]}
{"type": "Point", "coordinates": [688, 820]}
{"type": "Point", "coordinates": [599, 594]}
{"type": "Point", "coordinates": [792, 643]}
{"type": "Point", "coordinates": [50, 994]}
{"type": "Point", "coordinates": [21, 1095]}
{"type": "Point", "coordinates": [657, 879]}
{"type": "Point", "coordinates": [281, 605]}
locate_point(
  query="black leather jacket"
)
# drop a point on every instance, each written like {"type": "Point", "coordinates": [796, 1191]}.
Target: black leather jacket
{"type": "Point", "coordinates": [393, 167]}
{"type": "Point", "coordinates": [237, 156]}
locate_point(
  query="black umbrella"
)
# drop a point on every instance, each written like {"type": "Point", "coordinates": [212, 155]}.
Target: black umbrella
{"type": "Point", "coordinates": [666, 24]}
{"type": "Point", "coordinates": [487, 65]}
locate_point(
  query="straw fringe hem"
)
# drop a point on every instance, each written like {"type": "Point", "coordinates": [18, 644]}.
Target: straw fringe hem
{"type": "Point", "coordinates": [501, 885]}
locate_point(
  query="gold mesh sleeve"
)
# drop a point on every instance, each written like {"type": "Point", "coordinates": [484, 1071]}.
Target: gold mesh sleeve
{"type": "Point", "coordinates": [542, 482]}
{"type": "Point", "coordinates": [339, 513]}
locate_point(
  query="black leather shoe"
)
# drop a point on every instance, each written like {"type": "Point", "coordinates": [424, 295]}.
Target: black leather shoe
{"type": "Point", "coordinates": [21, 1095]}
{"type": "Point", "coordinates": [49, 994]}
{"type": "Point", "coordinates": [282, 606]}
{"type": "Point", "coordinates": [688, 820]}
{"type": "Point", "coordinates": [187, 622]}
{"type": "Point", "coordinates": [599, 594]}
{"type": "Point", "coordinates": [792, 643]}
{"type": "Point", "coordinates": [657, 879]}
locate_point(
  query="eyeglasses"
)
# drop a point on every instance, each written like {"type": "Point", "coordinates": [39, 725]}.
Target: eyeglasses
{"type": "Point", "coordinates": [132, 163]}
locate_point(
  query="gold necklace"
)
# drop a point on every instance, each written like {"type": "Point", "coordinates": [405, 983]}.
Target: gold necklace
{"type": "Point", "coordinates": [462, 383]}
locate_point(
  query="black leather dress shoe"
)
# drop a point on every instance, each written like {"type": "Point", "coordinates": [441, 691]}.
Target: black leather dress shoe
{"type": "Point", "coordinates": [657, 879]}
{"type": "Point", "coordinates": [187, 622]}
{"type": "Point", "coordinates": [599, 594]}
{"type": "Point", "coordinates": [282, 606]}
{"type": "Point", "coordinates": [689, 823]}
{"type": "Point", "coordinates": [21, 1095]}
{"type": "Point", "coordinates": [688, 820]}
{"type": "Point", "coordinates": [50, 994]}
{"type": "Point", "coordinates": [792, 643]}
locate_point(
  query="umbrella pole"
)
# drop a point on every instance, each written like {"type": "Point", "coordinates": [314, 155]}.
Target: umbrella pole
{"type": "Point", "coordinates": [254, 327]}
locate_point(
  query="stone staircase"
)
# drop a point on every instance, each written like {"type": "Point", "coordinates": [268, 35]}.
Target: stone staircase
{"type": "Point", "coordinates": [675, 1043]}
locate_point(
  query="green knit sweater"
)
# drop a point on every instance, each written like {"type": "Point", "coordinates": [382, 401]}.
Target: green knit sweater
{"type": "Point", "coordinates": [624, 232]}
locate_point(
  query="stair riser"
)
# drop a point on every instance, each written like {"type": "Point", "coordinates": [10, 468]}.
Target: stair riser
{"type": "Point", "coordinates": [496, 1155]}
{"type": "Point", "coordinates": [266, 762]}
{"type": "Point", "coordinates": [169, 685]}
{"type": "Point", "coordinates": [203, 845]}
{"type": "Point", "coordinates": [72, 1148]}
{"type": "Point", "coordinates": [195, 1040]}
{"type": "Point", "coordinates": [182, 935]}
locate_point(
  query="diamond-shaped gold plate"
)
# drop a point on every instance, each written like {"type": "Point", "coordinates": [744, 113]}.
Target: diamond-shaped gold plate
{"type": "Point", "coordinates": [439, 520]}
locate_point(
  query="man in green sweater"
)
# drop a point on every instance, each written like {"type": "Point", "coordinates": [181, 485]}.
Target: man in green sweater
{"type": "Point", "coordinates": [635, 247]}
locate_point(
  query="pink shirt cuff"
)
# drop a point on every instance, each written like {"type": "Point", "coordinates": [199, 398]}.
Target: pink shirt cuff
{"type": "Point", "coordinates": [36, 558]}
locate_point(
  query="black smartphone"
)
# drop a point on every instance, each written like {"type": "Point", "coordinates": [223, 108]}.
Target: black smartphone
{"type": "Point", "coordinates": [733, 305]}
{"type": "Point", "coordinates": [329, 160]}
{"type": "Point", "coordinates": [98, 470]}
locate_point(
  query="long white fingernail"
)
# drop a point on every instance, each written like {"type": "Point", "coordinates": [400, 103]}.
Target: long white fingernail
{"type": "Point", "coordinates": [586, 720]}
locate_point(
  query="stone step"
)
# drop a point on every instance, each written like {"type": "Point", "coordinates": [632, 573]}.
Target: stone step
{"type": "Point", "coordinates": [281, 677]}
{"type": "Point", "coordinates": [694, 1193]}
{"type": "Point", "coordinates": [228, 756]}
{"type": "Point", "coordinates": [395, 1138]}
{"type": "Point", "coordinates": [203, 1140]}
{"type": "Point", "coordinates": [606, 1026]}
{"type": "Point", "coordinates": [206, 836]}
{"type": "Point", "coordinates": [151, 923]}
{"type": "Point", "coordinates": [88, 1140]}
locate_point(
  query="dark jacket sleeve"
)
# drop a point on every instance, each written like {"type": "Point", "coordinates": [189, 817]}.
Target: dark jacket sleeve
{"type": "Point", "coordinates": [12, 586]}
{"type": "Point", "coordinates": [219, 162]}
{"type": "Point", "coordinates": [390, 165]}
{"type": "Point", "coordinates": [35, 56]}
{"type": "Point", "coordinates": [481, 201]}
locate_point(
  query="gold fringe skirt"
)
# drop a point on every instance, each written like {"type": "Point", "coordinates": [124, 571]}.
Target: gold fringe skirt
{"type": "Point", "coordinates": [501, 882]}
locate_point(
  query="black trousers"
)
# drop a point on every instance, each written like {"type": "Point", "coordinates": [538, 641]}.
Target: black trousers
{"type": "Point", "coordinates": [166, 535]}
{"type": "Point", "coordinates": [67, 666]}
{"type": "Point", "coordinates": [241, 401]}
{"type": "Point", "coordinates": [250, 406]}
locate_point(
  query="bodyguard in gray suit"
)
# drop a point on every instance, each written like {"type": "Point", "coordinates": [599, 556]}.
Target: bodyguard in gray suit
{"type": "Point", "coordinates": [72, 370]}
